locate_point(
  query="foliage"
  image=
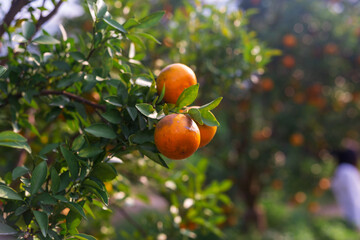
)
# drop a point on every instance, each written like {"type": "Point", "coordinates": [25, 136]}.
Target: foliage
{"type": "Point", "coordinates": [81, 105]}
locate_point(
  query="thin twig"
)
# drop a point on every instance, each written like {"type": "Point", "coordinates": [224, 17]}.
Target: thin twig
{"type": "Point", "coordinates": [43, 19]}
{"type": "Point", "coordinates": [63, 93]}
{"type": "Point", "coordinates": [15, 8]}
{"type": "Point", "coordinates": [74, 97]}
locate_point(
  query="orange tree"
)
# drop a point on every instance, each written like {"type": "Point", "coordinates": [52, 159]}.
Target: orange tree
{"type": "Point", "coordinates": [229, 60]}
{"type": "Point", "coordinates": [74, 108]}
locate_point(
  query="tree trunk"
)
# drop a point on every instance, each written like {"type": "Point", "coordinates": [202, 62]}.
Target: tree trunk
{"type": "Point", "coordinates": [250, 189]}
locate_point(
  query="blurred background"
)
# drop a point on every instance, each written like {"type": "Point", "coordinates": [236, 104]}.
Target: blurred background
{"type": "Point", "coordinates": [289, 74]}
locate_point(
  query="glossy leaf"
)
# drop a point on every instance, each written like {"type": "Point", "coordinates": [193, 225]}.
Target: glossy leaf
{"type": "Point", "coordinates": [45, 39]}
{"type": "Point", "coordinates": [147, 110]}
{"type": "Point", "coordinates": [83, 236]}
{"type": "Point", "coordinates": [55, 180]}
{"type": "Point", "coordinates": [211, 105]}
{"type": "Point", "coordinates": [209, 118]}
{"type": "Point", "coordinates": [28, 29]}
{"type": "Point", "coordinates": [43, 221]}
{"type": "Point", "coordinates": [195, 115]}
{"type": "Point", "coordinates": [151, 19]}
{"type": "Point", "coordinates": [2, 70]}
{"type": "Point", "coordinates": [6, 230]}
{"type": "Point", "coordinates": [71, 161]}
{"type": "Point", "coordinates": [113, 116]}
{"type": "Point", "coordinates": [38, 177]}
{"type": "Point", "coordinates": [14, 140]}
{"type": "Point", "coordinates": [188, 96]}
{"type": "Point", "coordinates": [115, 25]}
{"type": "Point", "coordinates": [19, 171]}
{"type": "Point", "coordinates": [104, 171]}
{"type": "Point", "coordinates": [101, 130]}
{"type": "Point", "coordinates": [9, 193]}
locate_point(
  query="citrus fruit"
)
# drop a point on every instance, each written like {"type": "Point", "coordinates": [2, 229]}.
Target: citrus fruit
{"type": "Point", "coordinates": [176, 78]}
{"type": "Point", "coordinates": [177, 136]}
{"type": "Point", "coordinates": [206, 134]}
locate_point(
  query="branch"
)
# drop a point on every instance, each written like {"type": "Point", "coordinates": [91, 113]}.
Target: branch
{"type": "Point", "coordinates": [74, 97]}
{"type": "Point", "coordinates": [15, 7]}
{"type": "Point", "coordinates": [43, 19]}
{"type": "Point", "coordinates": [63, 93]}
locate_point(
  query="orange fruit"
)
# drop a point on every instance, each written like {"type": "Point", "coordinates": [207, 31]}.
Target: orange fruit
{"type": "Point", "coordinates": [206, 134]}
{"type": "Point", "coordinates": [288, 61]}
{"type": "Point", "coordinates": [177, 136]}
{"type": "Point", "coordinates": [176, 78]}
{"type": "Point", "coordinates": [93, 97]}
{"type": "Point", "coordinates": [267, 84]}
{"type": "Point", "coordinates": [289, 40]}
{"type": "Point", "coordinates": [331, 48]}
{"type": "Point", "coordinates": [297, 139]}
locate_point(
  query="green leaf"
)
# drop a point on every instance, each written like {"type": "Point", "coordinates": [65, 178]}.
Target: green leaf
{"type": "Point", "coordinates": [21, 210]}
{"type": "Point", "coordinates": [9, 193]}
{"type": "Point", "coordinates": [196, 115]}
{"type": "Point", "coordinates": [76, 207]}
{"type": "Point", "coordinates": [55, 180]}
{"type": "Point", "coordinates": [45, 39]}
{"type": "Point", "coordinates": [97, 189]}
{"type": "Point", "coordinates": [101, 130]}
{"type": "Point", "coordinates": [132, 112]}
{"type": "Point", "coordinates": [104, 171]}
{"type": "Point", "coordinates": [90, 151]}
{"type": "Point", "coordinates": [209, 118]}
{"type": "Point", "coordinates": [162, 94]}
{"type": "Point", "coordinates": [43, 221]}
{"type": "Point", "coordinates": [19, 171]}
{"type": "Point", "coordinates": [114, 100]}
{"type": "Point", "coordinates": [151, 20]}
{"type": "Point", "coordinates": [102, 9]}
{"type": "Point", "coordinates": [83, 236]}
{"type": "Point", "coordinates": [78, 143]}
{"type": "Point", "coordinates": [14, 140]}
{"type": "Point", "coordinates": [78, 56]}
{"type": "Point", "coordinates": [147, 110]}
{"type": "Point", "coordinates": [188, 96]}
{"type": "Point", "coordinates": [38, 177]}
{"type": "Point", "coordinates": [113, 116]}
{"type": "Point", "coordinates": [115, 25]}
{"type": "Point", "coordinates": [130, 23]}
{"type": "Point", "coordinates": [73, 219]}
{"type": "Point", "coordinates": [211, 105]}
{"type": "Point", "coordinates": [2, 70]}
{"type": "Point", "coordinates": [153, 156]}
{"type": "Point", "coordinates": [71, 161]}
{"type": "Point", "coordinates": [150, 37]}
{"type": "Point", "coordinates": [18, 38]}
{"type": "Point", "coordinates": [48, 148]}
{"type": "Point", "coordinates": [6, 230]}
{"type": "Point", "coordinates": [143, 136]}
{"type": "Point", "coordinates": [28, 29]}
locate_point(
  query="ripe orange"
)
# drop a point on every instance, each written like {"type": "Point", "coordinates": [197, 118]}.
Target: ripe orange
{"type": "Point", "coordinates": [289, 40]}
{"type": "Point", "coordinates": [177, 136]}
{"type": "Point", "coordinates": [206, 134]}
{"type": "Point", "coordinates": [267, 84]}
{"type": "Point", "coordinates": [288, 61]}
{"type": "Point", "coordinates": [94, 97]}
{"type": "Point", "coordinates": [176, 77]}
{"type": "Point", "coordinates": [297, 139]}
